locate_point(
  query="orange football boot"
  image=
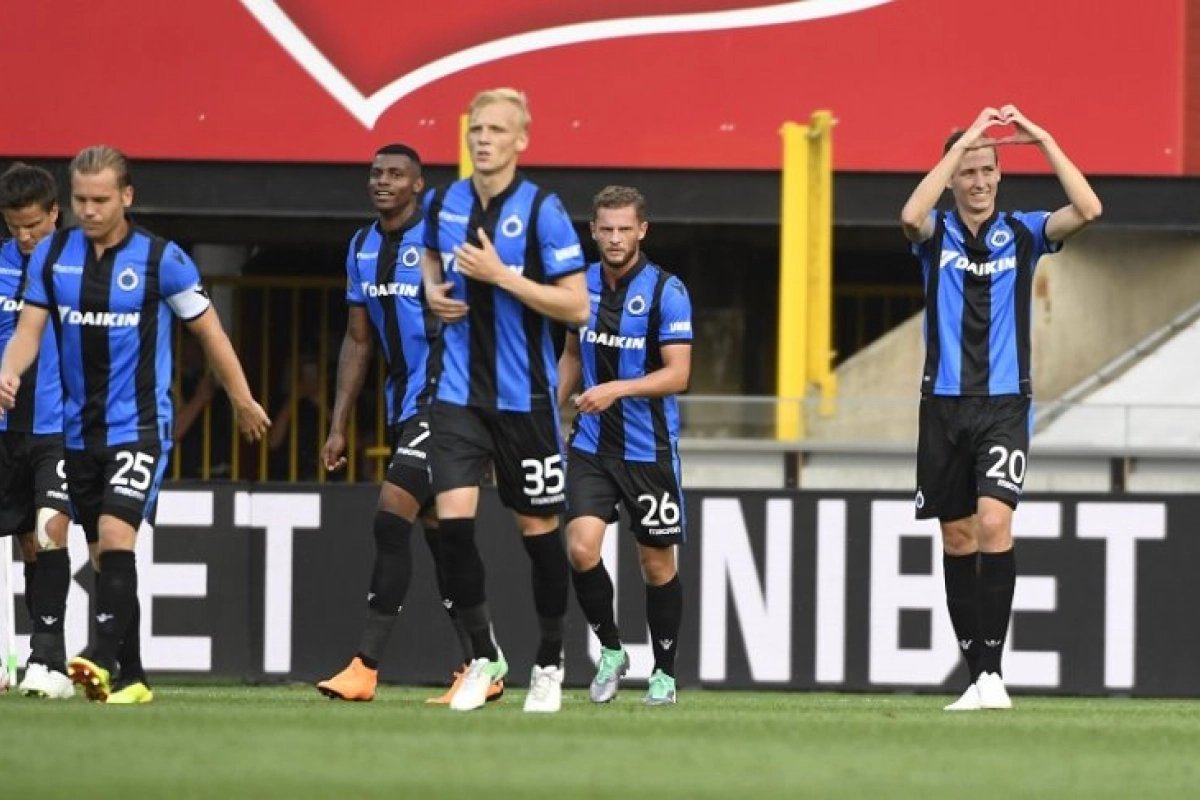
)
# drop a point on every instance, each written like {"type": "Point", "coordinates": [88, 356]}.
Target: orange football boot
{"type": "Point", "coordinates": [355, 682]}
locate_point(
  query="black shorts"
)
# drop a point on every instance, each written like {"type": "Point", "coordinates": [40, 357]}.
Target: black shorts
{"type": "Point", "coordinates": [524, 447]}
{"type": "Point", "coordinates": [32, 476]}
{"type": "Point", "coordinates": [967, 448]}
{"type": "Point", "coordinates": [409, 467]}
{"type": "Point", "coordinates": [121, 481]}
{"type": "Point", "coordinates": [650, 491]}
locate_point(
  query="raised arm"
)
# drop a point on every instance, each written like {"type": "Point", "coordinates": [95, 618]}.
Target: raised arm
{"type": "Point", "coordinates": [914, 217]}
{"type": "Point", "coordinates": [1083, 206]}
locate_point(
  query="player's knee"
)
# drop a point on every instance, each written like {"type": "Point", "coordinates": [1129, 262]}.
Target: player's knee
{"type": "Point", "coordinates": [116, 533]}
{"type": "Point", "coordinates": [583, 555]}
{"type": "Point", "coordinates": [457, 541]}
{"type": "Point", "coordinates": [959, 536]}
{"type": "Point", "coordinates": [995, 530]}
{"type": "Point", "coordinates": [398, 500]}
{"type": "Point", "coordinates": [29, 546]}
{"type": "Point", "coordinates": [391, 532]}
{"type": "Point", "coordinates": [51, 529]}
{"type": "Point", "coordinates": [658, 564]}
{"type": "Point", "coordinates": [994, 518]}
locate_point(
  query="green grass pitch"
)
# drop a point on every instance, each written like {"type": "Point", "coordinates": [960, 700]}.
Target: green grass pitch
{"type": "Point", "coordinates": [268, 742]}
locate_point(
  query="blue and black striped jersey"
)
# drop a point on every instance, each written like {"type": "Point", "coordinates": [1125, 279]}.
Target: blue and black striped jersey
{"type": "Point", "coordinates": [627, 327]}
{"type": "Point", "coordinates": [501, 356]}
{"type": "Point", "coordinates": [39, 407]}
{"type": "Point", "coordinates": [112, 317]}
{"type": "Point", "coordinates": [383, 274]}
{"type": "Point", "coordinates": [978, 302]}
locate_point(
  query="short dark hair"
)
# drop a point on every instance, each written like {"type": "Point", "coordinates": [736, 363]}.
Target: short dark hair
{"type": "Point", "coordinates": [620, 197]}
{"type": "Point", "coordinates": [22, 185]}
{"type": "Point", "coordinates": [957, 134]}
{"type": "Point", "coordinates": [952, 139]}
{"type": "Point", "coordinates": [401, 150]}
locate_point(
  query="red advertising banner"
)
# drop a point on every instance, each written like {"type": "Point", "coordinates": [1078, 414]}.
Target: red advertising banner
{"type": "Point", "coordinates": [688, 84]}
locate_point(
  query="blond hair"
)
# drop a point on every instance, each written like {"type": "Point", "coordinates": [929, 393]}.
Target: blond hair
{"type": "Point", "coordinates": [504, 94]}
{"type": "Point", "coordinates": [99, 157]}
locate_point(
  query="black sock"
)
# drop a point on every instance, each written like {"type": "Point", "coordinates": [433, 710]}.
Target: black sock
{"type": "Point", "coordinates": [664, 615]}
{"type": "Point", "coordinates": [393, 563]}
{"type": "Point", "coordinates": [116, 599]}
{"type": "Point", "coordinates": [390, 579]}
{"type": "Point", "coordinates": [433, 542]}
{"type": "Point", "coordinates": [465, 583]}
{"type": "Point", "coordinates": [477, 620]}
{"type": "Point", "coordinates": [551, 577]}
{"type": "Point", "coordinates": [594, 590]}
{"type": "Point", "coordinates": [30, 582]}
{"type": "Point", "coordinates": [997, 580]}
{"type": "Point", "coordinates": [962, 600]}
{"type": "Point", "coordinates": [49, 607]}
{"type": "Point", "coordinates": [129, 657]}
{"type": "Point", "coordinates": [376, 634]}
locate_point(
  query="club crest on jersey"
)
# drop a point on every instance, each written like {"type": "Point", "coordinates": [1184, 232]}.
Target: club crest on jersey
{"type": "Point", "coordinates": [411, 257]}
{"type": "Point", "coordinates": [999, 238]}
{"type": "Point", "coordinates": [512, 226]}
{"type": "Point", "coordinates": [127, 279]}
{"type": "Point", "coordinates": [636, 305]}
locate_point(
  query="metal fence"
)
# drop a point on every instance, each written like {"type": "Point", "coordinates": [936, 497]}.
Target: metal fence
{"type": "Point", "coordinates": [287, 333]}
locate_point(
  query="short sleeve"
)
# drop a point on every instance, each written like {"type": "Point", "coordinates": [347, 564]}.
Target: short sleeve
{"type": "Point", "coordinates": [354, 293]}
{"type": "Point", "coordinates": [429, 239]}
{"type": "Point", "coordinates": [676, 313]}
{"type": "Point", "coordinates": [179, 284]}
{"type": "Point", "coordinates": [1035, 223]}
{"type": "Point", "coordinates": [559, 246]}
{"type": "Point", "coordinates": [35, 285]}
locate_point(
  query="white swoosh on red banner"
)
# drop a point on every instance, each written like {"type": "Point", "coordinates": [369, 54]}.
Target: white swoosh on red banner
{"type": "Point", "coordinates": [368, 108]}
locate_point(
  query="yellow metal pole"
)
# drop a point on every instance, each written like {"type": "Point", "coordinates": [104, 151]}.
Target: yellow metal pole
{"type": "Point", "coordinates": [235, 444]}
{"type": "Point", "coordinates": [264, 376]}
{"type": "Point", "coordinates": [327, 297]}
{"type": "Point", "coordinates": [206, 434]}
{"type": "Point", "coordinates": [293, 400]}
{"type": "Point", "coordinates": [464, 152]}
{"type": "Point", "coordinates": [820, 258]}
{"type": "Point", "coordinates": [792, 350]}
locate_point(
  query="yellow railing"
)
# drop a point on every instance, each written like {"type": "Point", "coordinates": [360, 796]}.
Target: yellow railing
{"type": "Point", "coordinates": [287, 336]}
{"type": "Point", "coordinates": [805, 353]}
